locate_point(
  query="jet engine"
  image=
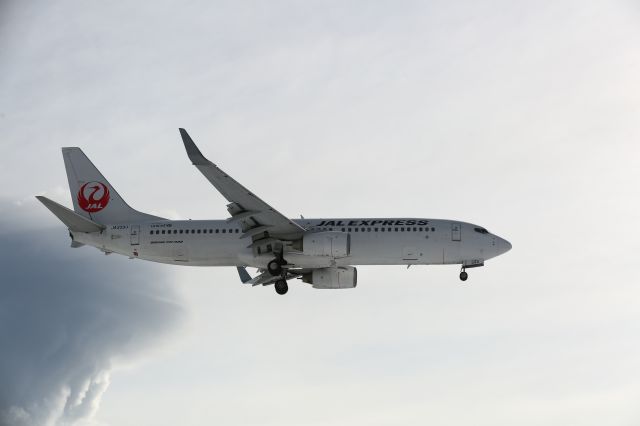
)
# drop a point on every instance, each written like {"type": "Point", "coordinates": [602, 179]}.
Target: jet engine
{"type": "Point", "coordinates": [333, 244]}
{"type": "Point", "coordinates": [331, 278]}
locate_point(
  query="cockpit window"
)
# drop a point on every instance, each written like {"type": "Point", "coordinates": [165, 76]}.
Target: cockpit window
{"type": "Point", "coordinates": [481, 230]}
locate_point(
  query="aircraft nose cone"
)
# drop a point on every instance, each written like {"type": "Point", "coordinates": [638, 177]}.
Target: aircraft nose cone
{"type": "Point", "coordinates": [503, 245]}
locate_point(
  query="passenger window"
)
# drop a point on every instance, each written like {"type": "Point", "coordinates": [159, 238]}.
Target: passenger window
{"type": "Point", "coordinates": [342, 229]}
{"type": "Point", "coordinates": [217, 231]}
{"type": "Point", "coordinates": [193, 231]}
{"type": "Point", "coordinates": [433, 229]}
{"type": "Point", "coordinates": [355, 229]}
{"type": "Point", "coordinates": [368, 229]}
{"type": "Point", "coordinates": [382, 229]}
{"type": "Point", "coordinates": [420, 229]}
{"type": "Point", "coordinates": [237, 230]}
{"type": "Point", "coordinates": [181, 231]}
{"type": "Point", "coordinates": [163, 232]}
{"type": "Point", "coordinates": [348, 229]}
{"type": "Point", "coordinates": [376, 229]}
{"type": "Point", "coordinates": [415, 229]}
{"type": "Point", "coordinates": [224, 231]}
{"type": "Point", "coordinates": [396, 229]}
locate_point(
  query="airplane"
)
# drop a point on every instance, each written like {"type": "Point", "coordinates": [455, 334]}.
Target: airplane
{"type": "Point", "coordinates": [320, 252]}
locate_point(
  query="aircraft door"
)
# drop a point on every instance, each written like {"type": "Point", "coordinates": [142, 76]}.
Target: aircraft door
{"type": "Point", "coordinates": [455, 232]}
{"type": "Point", "coordinates": [451, 249]}
{"type": "Point", "coordinates": [135, 235]}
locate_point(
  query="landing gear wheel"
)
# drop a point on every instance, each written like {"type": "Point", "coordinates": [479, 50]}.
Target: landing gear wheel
{"type": "Point", "coordinates": [274, 268]}
{"type": "Point", "coordinates": [281, 287]}
{"type": "Point", "coordinates": [464, 276]}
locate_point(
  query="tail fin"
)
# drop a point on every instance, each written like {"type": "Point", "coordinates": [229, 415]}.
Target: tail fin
{"type": "Point", "coordinates": [93, 196]}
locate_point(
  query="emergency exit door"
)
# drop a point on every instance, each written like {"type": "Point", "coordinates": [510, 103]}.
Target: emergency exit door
{"type": "Point", "coordinates": [135, 235]}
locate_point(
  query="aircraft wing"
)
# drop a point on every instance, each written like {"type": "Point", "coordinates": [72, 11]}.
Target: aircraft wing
{"type": "Point", "coordinates": [258, 219]}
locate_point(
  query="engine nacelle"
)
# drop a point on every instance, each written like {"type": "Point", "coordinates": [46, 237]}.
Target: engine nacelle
{"type": "Point", "coordinates": [332, 244]}
{"type": "Point", "coordinates": [331, 278]}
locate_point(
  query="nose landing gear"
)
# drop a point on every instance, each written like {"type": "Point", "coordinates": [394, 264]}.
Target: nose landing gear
{"type": "Point", "coordinates": [472, 264]}
{"type": "Point", "coordinates": [469, 264]}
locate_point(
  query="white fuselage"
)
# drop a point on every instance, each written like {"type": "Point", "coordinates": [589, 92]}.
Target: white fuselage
{"type": "Point", "coordinates": [403, 241]}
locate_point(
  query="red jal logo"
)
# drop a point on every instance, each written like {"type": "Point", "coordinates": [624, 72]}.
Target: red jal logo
{"type": "Point", "coordinates": [93, 197]}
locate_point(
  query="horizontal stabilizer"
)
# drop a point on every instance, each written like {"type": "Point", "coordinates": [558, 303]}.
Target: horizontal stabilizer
{"type": "Point", "coordinates": [73, 220]}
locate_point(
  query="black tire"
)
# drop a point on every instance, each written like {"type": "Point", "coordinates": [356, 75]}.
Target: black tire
{"type": "Point", "coordinates": [281, 287]}
{"type": "Point", "coordinates": [274, 268]}
{"type": "Point", "coordinates": [463, 276]}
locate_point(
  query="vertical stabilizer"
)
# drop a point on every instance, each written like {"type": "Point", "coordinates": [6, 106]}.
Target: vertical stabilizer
{"type": "Point", "coordinates": [93, 196]}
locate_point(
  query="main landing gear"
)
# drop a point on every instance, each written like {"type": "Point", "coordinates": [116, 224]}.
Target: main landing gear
{"type": "Point", "coordinates": [275, 269]}
{"type": "Point", "coordinates": [275, 266]}
{"type": "Point", "coordinates": [281, 286]}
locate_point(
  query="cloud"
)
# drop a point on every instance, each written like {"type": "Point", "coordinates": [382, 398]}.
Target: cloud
{"type": "Point", "coordinates": [67, 318]}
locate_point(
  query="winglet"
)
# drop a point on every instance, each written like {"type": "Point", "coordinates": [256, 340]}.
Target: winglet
{"type": "Point", "coordinates": [244, 275]}
{"type": "Point", "coordinates": [193, 152]}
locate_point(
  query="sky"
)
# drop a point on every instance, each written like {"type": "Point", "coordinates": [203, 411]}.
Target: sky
{"type": "Point", "coordinates": [518, 116]}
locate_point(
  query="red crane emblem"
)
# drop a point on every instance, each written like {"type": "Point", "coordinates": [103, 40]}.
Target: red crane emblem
{"type": "Point", "coordinates": [93, 197]}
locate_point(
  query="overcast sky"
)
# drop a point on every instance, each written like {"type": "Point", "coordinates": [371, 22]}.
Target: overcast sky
{"type": "Point", "coordinates": [522, 117]}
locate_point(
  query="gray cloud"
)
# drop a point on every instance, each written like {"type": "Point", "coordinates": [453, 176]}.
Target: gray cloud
{"type": "Point", "coordinates": [67, 318]}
